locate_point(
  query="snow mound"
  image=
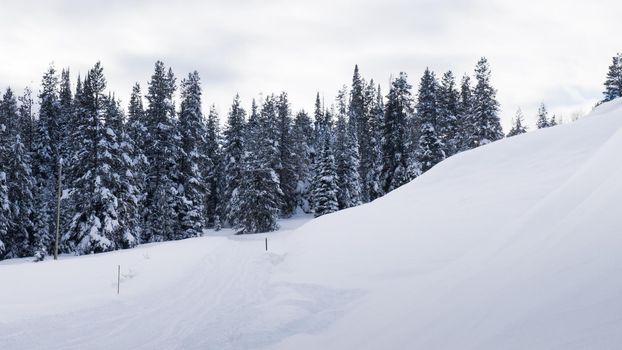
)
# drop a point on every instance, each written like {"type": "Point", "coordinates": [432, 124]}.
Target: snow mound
{"type": "Point", "coordinates": [513, 245]}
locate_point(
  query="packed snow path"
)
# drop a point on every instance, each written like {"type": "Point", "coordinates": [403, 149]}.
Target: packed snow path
{"type": "Point", "coordinates": [514, 245]}
{"type": "Point", "coordinates": [219, 297]}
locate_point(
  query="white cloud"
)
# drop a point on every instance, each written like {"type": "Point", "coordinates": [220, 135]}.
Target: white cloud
{"type": "Point", "coordinates": [549, 50]}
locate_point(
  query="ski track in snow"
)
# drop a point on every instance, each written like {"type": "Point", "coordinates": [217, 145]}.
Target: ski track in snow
{"type": "Point", "coordinates": [224, 301]}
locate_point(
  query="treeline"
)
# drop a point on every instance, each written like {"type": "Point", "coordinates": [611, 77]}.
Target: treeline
{"type": "Point", "coordinates": [613, 90]}
{"type": "Point", "coordinates": [166, 172]}
{"type": "Point", "coordinates": [543, 121]}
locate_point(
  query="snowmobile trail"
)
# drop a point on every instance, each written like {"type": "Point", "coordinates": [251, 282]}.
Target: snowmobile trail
{"type": "Point", "coordinates": [225, 300]}
{"type": "Point", "coordinates": [167, 318]}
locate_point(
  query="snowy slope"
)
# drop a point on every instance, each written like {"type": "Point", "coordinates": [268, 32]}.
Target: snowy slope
{"type": "Point", "coordinates": [514, 245]}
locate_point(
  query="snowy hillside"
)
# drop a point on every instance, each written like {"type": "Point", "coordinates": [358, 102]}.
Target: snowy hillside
{"type": "Point", "coordinates": [513, 245]}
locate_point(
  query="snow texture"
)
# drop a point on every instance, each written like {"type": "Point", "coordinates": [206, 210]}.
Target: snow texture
{"type": "Point", "coordinates": [513, 245]}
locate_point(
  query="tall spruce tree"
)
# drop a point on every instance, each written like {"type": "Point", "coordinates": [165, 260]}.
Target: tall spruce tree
{"type": "Point", "coordinates": [356, 108]}
{"type": "Point", "coordinates": [325, 188]}
{"type": "Point", "coordinates": [65, 116]}
{"type": "Point", "coordinates": [9, 117]}
{"type": "Point", "coordinates": [323, 130]}
{"type": "Point", "coordinates": [214, 169]}
{"type": "Point", "coordinates": [447, 101]}
{"type": "Point", "coordinates": [302, 137]}
{"type": "Point", "coordinates": [234, 137]}
{"type": "Point", "coordinates": [19, 180]}
{"type": "Point", "coordinates": [131, 183]}
{"type": "Point", "coordinates": [28, 131]}
{"type": "Point", "coordinates": [194, 164]}
{"type": "Point", "coordinates": [268, 142]}
{"type": "Point", "coordinates": [136, 127]}
{"type": "Point", "coordinates": [162, 152]}
{"type": "Point", "coordinates": [346, 158]}
{"type": "Point", "coordinates": [75, 134]}
{"type": "Point", "coordinates": [67, 124]}
{"type": "Point", "coordinates": [397, 142]}
{"type": "Point", "coordinates": [287, 169]}
{"type": "Point", "coordinates": [359, 123]}
{"type": "Point", "coordinates": [45, 163]}
{"type": "Point", "coordinates": [95, 222]}
{"type": "Point", "coordinates": [430, 150]}
{"type": "Point", "coordinates": [260, 197]}
{"type": "Point", "coordinates": [122, 216]}
{"type": "Point", "coordinates": [6, 247]}
{"type": "Point", "coordinates": [466, 128]}
{"type": "Point", "coordinates": [486, 122]}
{"type": "Point", "coordinates": [517, 126]}
{"type": "Point", "coordinates": [73, 168]}
{"type": "Point", "coordinates": [135, 132]}
{"type": "Point", "coordinates": [375, 109]}
{"type": "Point", "coordinates": [613, 82]}
{"type": "Point", "coordinates": [20, 193]}
{"type": "Point", "coordinates": [268, 137]}
{"type": "Point", "coordinates": [319, 128]}
{"type": "Point", "coordinates": [319, 122]}
{"type": "Point", "coordinates": [27, 119]}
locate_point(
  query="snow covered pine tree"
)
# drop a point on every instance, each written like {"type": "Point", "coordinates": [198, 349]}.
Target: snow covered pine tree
{"type": "Point", "coordinates": [517, 127]}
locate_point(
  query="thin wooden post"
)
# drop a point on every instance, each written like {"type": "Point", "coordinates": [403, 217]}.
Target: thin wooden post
{"type": "Point", "coordinates": [59, 193]}
{"type": "Point", "coordinates": [266, 243]}
{"type": "Point", "coordinates": [118, 279]}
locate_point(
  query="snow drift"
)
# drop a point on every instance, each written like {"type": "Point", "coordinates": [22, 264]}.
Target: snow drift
{"type": "Point", "coordinates": [513, 245]}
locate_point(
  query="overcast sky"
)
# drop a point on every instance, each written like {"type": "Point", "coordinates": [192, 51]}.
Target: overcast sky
{"type": "Point", "coordinates": [553, 51]}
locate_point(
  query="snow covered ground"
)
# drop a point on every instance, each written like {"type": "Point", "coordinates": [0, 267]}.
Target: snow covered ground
{"type": "Point", "coordinates": [514, 245]}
